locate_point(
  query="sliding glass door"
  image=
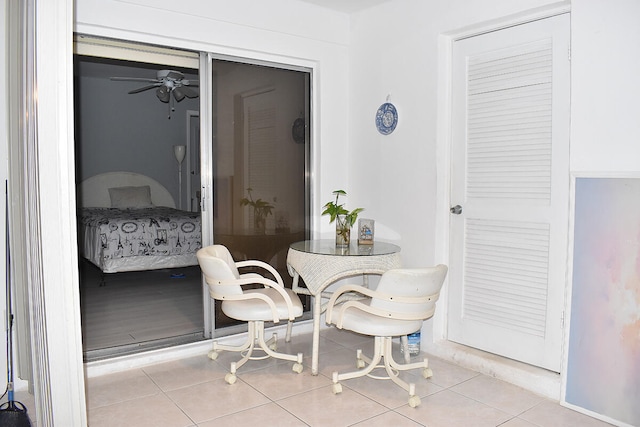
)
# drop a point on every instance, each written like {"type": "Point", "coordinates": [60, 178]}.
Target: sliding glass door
{"type": "Point", "coordinates": [259, 162]}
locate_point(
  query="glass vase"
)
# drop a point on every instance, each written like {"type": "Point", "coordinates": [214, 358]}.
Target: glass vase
{"type": "Point", "coordinates": [259, 223]}
{"type": "Point", "coordinates": [343, 231]}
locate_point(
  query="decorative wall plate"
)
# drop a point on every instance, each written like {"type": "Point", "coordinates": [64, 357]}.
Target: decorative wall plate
{"type": "Point", "coordinates": [297, 130]}
{"type": "Point", "coordinates": [386, 118]}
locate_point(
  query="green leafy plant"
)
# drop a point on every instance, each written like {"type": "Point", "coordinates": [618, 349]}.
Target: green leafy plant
{"type": "Point", "coordinates": [333, 209]}
{"type": "Point", "coordinates": [261, 209]}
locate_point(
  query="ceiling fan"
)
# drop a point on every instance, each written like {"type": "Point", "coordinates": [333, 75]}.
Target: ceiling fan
{"type": "Point", "coordinates": [167, 82]}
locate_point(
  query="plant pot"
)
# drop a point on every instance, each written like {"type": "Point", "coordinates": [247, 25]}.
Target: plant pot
{"type": "Point", "coordinates": [343, 231]}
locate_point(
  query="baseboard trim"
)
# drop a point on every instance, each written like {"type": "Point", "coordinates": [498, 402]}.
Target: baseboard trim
{"type": "Point", "coordinates": [532, 378]}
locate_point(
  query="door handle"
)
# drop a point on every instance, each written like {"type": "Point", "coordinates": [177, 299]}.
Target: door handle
{"type": "Point", "coordinates": [456, 210]}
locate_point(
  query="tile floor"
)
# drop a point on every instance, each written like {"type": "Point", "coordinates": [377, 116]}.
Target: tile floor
{"type": "Point", "coordinates": [192, 392]}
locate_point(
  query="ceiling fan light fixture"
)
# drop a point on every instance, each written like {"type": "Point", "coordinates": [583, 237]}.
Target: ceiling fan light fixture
{"type": "Point", "coordinates": [178, 94]}
{"type": "Point", "coordinates": [163, 94]}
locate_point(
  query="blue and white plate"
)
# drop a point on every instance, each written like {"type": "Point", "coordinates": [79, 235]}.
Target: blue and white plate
{"type": "Point", "coordinates": [386, 118]}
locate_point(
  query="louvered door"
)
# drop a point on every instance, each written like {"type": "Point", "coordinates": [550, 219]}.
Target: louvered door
{"type": "Point", "coordinates": [261, 165]}
{"type": "Point", "coordinates": [510, 174]}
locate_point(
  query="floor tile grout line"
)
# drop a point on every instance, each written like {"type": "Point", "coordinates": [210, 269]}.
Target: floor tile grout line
{"type": "Point", "coordinates": [166, 395]}
{"type": "Point", "coordinates": [289, 412]}
{"type": "Point", "coordinates": [180, 408]}
{"type": "Point", "coordinates": [512, 417]}
{"type": "Point", "coordinates": [539, 402]}
{"type": "Point", "coordinates": [120, 402]}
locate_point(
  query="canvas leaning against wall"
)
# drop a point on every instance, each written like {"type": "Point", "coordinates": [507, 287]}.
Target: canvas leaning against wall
{"type": "Point", "coordinates": [603, 361]}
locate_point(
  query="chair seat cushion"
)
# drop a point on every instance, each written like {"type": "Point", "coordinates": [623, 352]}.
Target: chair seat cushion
{"type": "Point", "coordinates": [256, 309]}
{"type": "Point", "coordinates": [368, 324]}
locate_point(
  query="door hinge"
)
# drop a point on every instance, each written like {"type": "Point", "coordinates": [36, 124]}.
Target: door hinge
{"type": "Point", "coordinates": [569, 53]}
{"type": "Point", "coordinates": [562, 317]}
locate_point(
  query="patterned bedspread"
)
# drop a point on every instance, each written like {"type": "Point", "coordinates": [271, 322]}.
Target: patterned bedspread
{"type": "Point", "coordinates": [112, 234]}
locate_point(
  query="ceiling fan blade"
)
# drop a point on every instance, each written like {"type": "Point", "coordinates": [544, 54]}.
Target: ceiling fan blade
{"type": "Point", "coordinates": [173, 75]}
{"type": "Point", "coordinates": [141, 89]}
{"type": "Point", "coordinates": [190, 82]}
{"type": "Point", "coordinates": [190, 93]}
{"type": "Point", "coordinates": [134, 79]}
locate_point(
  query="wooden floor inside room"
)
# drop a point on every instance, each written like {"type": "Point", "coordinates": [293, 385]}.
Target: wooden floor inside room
{"type": "Point", "coordinates": [136, 311]}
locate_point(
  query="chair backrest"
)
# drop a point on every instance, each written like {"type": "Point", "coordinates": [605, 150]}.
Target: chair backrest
{"type": "Point", "coordinates": [414, 283]}
{"type": "Point", "coordinates": [217, 264]}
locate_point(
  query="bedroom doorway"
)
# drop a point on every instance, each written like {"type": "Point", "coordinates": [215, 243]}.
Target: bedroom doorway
{"type": "Point", "coordinates": [124, 127]}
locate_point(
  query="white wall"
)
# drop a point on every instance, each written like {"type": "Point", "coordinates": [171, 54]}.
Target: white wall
{"type": "Point", "coordinates": [605, 63]}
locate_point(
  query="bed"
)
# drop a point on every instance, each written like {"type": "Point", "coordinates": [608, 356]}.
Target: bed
{"type": "Point", "coordinates": [129, 222]}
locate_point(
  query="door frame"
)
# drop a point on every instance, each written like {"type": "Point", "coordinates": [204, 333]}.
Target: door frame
{"type": "Point", "coordinates": [443, 136]}
{"type": "Point", "coordinates": [193, 154]}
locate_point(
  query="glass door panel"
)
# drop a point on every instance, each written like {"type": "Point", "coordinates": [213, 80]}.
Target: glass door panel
{"type": "Point", "coordinates": [260, 163]}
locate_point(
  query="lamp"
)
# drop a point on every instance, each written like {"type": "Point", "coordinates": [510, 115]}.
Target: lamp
{"type": "Point", "coordinates": [179, 151]}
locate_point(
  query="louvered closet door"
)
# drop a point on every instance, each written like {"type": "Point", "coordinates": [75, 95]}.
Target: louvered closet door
{"type": "Point", "coordinates": [510, 174]}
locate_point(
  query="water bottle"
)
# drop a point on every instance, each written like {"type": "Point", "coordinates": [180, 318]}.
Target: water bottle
{"type": "Point", "coordinates": [413, 343]}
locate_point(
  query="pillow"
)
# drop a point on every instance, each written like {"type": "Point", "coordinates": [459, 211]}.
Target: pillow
{"type": "Point", "coordinates": [130, 197]}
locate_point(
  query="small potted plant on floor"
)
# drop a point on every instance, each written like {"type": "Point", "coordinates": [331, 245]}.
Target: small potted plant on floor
{"type": "Point", "coordinates": [261, 209]}
{"type": "Point", "coordinates": [344, 219]}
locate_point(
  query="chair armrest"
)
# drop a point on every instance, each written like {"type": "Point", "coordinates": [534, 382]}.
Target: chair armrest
{"type": "Point", "coordinates": [357, 304]}
{"type": "Point", "coordinates": [252, 279]}
{"type": "Point", "coordinates": [250, 275]}
{"type": "Point", "coordinates": [263, 265]}
{"type": "Point", "coordinates": [348, 288]}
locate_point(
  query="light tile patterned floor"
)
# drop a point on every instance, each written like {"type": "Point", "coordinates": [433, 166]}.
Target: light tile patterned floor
{"type": "Point", "coordinates": [192, 392]}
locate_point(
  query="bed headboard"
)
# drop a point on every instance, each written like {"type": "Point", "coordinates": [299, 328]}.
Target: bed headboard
{"type": "Point", "coordinates": [94, 191]}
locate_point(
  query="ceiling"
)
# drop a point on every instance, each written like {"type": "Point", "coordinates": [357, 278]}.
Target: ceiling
{"type": "Point", "coordinates": [347, 6]}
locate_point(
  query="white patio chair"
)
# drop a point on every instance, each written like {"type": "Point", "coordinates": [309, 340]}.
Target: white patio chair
{"type": "Point", "coordinates": [243, 300]}
{"type": "Point", "coordinates": [403, 299]}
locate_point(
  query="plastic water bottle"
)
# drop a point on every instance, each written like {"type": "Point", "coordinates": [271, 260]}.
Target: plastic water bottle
{"type": "Point", "coordinates": [413, 343]}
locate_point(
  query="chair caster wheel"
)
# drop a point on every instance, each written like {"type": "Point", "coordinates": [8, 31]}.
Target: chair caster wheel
{"type": "Point", "coordinates": [414, 401]}
{"type": "Point", "coordinates": [297, 368]}
{"type": "Point", "coordinates": [360, 364]}
{"type": "Point", "coordinates": [213, 355]}
{"type": "Point", "coordinates": [427, 373]}
{"type": "Point", "coordinates": [336, 388]}
{"type": "Point", "coordinates": [230, 378]}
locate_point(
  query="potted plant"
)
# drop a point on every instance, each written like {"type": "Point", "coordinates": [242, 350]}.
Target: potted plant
{"type": "Point", "coordinates": [261, 209]}
{"type": "Point", "coordinates": [344, 218]}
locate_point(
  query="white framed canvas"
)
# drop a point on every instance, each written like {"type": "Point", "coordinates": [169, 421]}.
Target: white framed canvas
{"type": "Point", "coordinates": [602, 364]}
